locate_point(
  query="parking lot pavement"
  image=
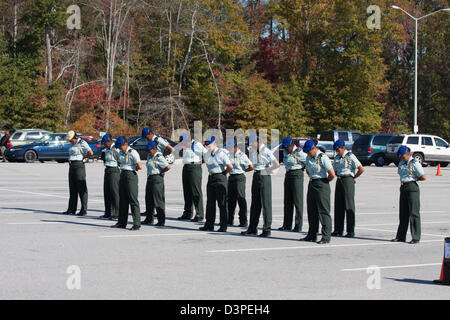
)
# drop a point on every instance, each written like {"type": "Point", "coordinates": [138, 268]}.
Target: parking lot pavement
{"type": "Point", "coordinates": [38, 246]}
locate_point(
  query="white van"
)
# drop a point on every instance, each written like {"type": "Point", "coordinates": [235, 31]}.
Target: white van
{"type": "Point", "coordinates": [426, 149]}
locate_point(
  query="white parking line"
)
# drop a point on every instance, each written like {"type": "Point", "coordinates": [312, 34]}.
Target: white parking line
{"type": "Point", "coordinates": [317, 247]}
{"type": "Point", "coordinates": [397, 267]}
{"type": "Point", "coordinates": [396, 224]}
{"type": "Point", "coordinates": [43, 194]}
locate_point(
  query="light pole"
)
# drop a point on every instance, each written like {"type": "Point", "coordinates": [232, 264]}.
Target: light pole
{"type": "Point", "coordinates": [416, 127]}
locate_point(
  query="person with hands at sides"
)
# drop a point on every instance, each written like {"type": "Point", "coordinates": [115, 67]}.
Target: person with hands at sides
{"type": "Point", "coordinates": [321, 173]}
{"type": "Point", "coordinates": [265, 164]}
{"type": "Point", "coordinates": [130, 164]}
{"type": "Point", "coordinates": [348, 169]}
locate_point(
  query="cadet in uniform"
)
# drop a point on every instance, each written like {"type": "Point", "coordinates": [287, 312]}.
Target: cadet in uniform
{"type": "Point", "coordinates": [219, 165]}
{"type": "Point", "coordinates": [193, 153]}
{"type": "Point", "coordinates": [348, 169]}
{"type": "Point", "coordinates": [236, 183]}
{"type": "Point", "coordinates": [130, 163]}
{"type": "Point", "coordinates": [77, 173]}
{"type": "Point", "coordinates": [157, 165]}
{"type": "Point", "coordinates": [321, 173]}
{"type": "Point", "coordinates": [163, 146]}
{"type": "Point", "coordinates": [111, 179]}
{"type": "Point", "coordinates": [410, 171]}
{"type": "Point", "coordinates": [294, 162]}
{"type": "Point", "coordinates": [264, 163]}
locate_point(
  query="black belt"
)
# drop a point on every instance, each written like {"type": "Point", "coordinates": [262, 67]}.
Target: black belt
{"type": "Point", "coordinates": [295, 170]}
{"type": "Point", "coordinates": [237, 174]}
{"type": "Point", "coordinates": [191, 163]}
{"type": "Point", "coordinates": [215, 174]}
{"type": "Point", "coordinates": [75, 161]}
{"type": "Point", "coordinates": [343, 177]}
{"type": "Point", "coordinates": [405, 183]}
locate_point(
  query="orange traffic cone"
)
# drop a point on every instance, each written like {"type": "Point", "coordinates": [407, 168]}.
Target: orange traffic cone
{"type": "Point", "coordinates": [441, 278]}
{"type": "Point", "coordinates": [439, 170]}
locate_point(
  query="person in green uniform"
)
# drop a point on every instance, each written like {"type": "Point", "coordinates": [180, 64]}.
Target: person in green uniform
{"type": "Point", "coordinates": [348, 169]}
{"type": "Point", "coordinates": [264, 163]}
{"type": "Point", "coordinates": [193, 153]}
{"type": "Point", "coordinates": [236, 183]}
{"type": "Point", "coordinates": [130, 163]}
{"type": "Point", "coordinates": [219, 165]}
{"type": "Point", "coordinates": [410, 171]}
{"type": "Point", "coordinates": [78, 151]}
{"type": "Point", "coordinates": [321, 173]}
{"type": "Point", "coordinates": [294, 162]}
{"type": "Point", "coordinates": [111, 179]}
{"type": "Point", "coordinates": [163, 146]}
{"type": "Point", "coordinates": [157, 166]}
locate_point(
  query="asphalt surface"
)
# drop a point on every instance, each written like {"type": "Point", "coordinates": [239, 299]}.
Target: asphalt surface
{"type": "Point", "coordinates": [38, 245]}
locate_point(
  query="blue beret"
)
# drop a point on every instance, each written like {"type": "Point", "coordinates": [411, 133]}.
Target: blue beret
{"type": "Point", "coordinates": [184, 137]}
{"type": "Point", "coordinates": [145, 132]}
{"type": "Point", "coordinates": [308, 146]}
{"type": "Point", "coordinates": [286, 142]}
{"type": "Point", "coordinates": [401, 151]}
{"type": "Point", "coordinates": [338, 144]}
{"type": "Point", "coordinates": [151, 145]}
{"type": "Point", "coordinates": [230, 144]}
{"type": "Point", "coordinates": [105, 138]}
{"type": "Point", "coordinates": [211, 140]}
{"type": "Point", "coordinates": [119, 142]}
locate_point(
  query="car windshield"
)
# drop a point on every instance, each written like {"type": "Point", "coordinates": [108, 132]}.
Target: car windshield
{"type": "Point", "coordinates": [47, 137]}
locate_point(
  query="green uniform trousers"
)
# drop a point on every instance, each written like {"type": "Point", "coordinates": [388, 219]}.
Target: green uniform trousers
{"type": "Point", "coordinates": [261, 200]}
{"type": "Point", "coordinates": [77, 186]}
{"type": "Point", "coordinates": [111, 191]}
{"type": "Point", "coordinates": [216, 191]}
{"type": "Point", "coordinates": [344, 203]}
{"type": "Point", "coordinates": [293, 196]}
{"type": "Point", "coordinates": [318, 202]}
{"type": "Point", "coordinates": [236, 195]}
{"type": "Point", "coordinates": [409, 211]}
{"type": "Point", "coordinates": [192, 190]}
{"type": "Point", "coordinates": [155, 198]}
{"type": "Point", "coordinates": [128, 192]}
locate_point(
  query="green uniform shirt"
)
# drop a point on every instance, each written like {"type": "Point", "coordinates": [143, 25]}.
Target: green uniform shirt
{"type": "Point", "coordinates": [111, 157]}
{"type": "Point", "coordinates": [346, 165]}
{"type": "Point", "coordinates": [295, 160]}
{"type": "Point", "coordinates": [318, 168]}
{"type": "Point", "coordinates": [78, 150]}
{"type": "Point", "coordinates": [194, 153]}
{"type": "Point", "coordinates": [161, 142]}
{"type": "Point", "coordinates": [410, 171]}
{"type": "Point", "coordinates": [240, 162]}
{"type": "Point", "coordinates": [263, 159]}
{"type": "Point", "coordinates": [129, 159]}
{"type": "Point", "coordinates": [217, 161]}
{"type": "Point", "coordinates": [156, 164]}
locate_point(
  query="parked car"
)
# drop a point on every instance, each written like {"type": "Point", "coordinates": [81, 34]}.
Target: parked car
{"type": "Point", "coordinates": [52, 146]}
{"type": "Point", "coordinates": [328, 138]}
{"type": "Point", "coordinates": [27, 136]}
{"type": "Point", "coordinates": [371, 148]}
{"type": "Point", "coordinates": [426, 149]}
{"type": "Point", "coordinates": [140, 145]}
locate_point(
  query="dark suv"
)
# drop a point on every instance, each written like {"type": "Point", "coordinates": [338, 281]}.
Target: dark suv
{"type": "Point", "coordinates": [371, 148]}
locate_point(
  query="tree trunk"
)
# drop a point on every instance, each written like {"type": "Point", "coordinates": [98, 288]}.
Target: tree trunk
{"type": "Point", "coordinates": [48, 47]}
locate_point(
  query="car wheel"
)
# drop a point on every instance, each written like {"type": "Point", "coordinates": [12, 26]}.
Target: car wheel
{"type": "Point", "coordinates": [380, 161]}
{"type": "Point", "coordinates": [170, 159]}
{"type": "Point", "coordinates": [418, 157]}
{"type": "Point", "coordinates": [444, 164]}
{"type": "Point", "coordinates": [60, 161]}
{"type": "Point", "coordinates": [30, 156]}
